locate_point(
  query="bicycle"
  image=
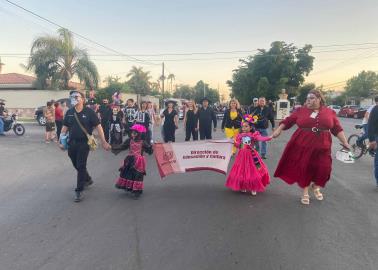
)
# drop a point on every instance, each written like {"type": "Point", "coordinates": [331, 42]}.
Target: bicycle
{"type": "Point", "coordinates": [359, 148]}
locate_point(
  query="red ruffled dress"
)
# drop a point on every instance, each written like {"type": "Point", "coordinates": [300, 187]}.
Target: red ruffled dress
{"type": "Point", "coordinates": [249, 171]}
{"type": "Point", "coordinates": [307, 156]}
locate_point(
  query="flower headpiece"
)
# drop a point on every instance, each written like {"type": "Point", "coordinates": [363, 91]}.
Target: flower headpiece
{"type": "Point", "coordinates": [139, 128]}
{"type": "Point", "coordinates": [250, 118]}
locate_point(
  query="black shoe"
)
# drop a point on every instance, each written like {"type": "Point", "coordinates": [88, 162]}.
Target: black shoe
{"type": "Point", "coordinates": [78, 196]}
{"type": "Point", "coordinates": [89, 182]}
{"type": "Point", "coordinates": [263, 156]}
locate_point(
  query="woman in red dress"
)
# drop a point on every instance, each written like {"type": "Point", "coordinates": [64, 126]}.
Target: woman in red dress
{"type": "Point", "coordinates": [307, 157]}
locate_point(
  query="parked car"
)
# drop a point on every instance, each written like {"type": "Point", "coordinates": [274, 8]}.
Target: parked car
{"type": "Point", "coordinates": [360, 113]}
{"type": "Point", "coordinates": [336, 108]}
{"type": "Point", "coordinates": [38, 113]}
{"type": "Point", "coordinates": [348, 111]}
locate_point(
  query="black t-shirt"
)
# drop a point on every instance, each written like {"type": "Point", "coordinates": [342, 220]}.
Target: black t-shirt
{"type": "Point", "coordinates": [169, 118]}
{"type": "Point", "coordinates": [88, 119]}
{"type": "Point", "coordinates": [105, 113]}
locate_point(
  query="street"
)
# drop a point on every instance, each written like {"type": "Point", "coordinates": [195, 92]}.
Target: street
{"type": "Point", "coordinates": [186, 221]}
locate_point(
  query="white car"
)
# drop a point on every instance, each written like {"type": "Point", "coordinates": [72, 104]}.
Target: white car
{"type": "Point", "coordinates": [336, 108]}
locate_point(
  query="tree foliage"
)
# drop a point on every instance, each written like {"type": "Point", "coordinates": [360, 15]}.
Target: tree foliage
{"type": "Point", "coordinates": [363, 85]}
{"type": "Point", "coordinates": [197, 92]}
{"type": "Point", "coordinates": [269, 71]}
{"type": "Point", "coordinates": [56, 59]}
{"type": "Point", "coordinates": [139, 81]}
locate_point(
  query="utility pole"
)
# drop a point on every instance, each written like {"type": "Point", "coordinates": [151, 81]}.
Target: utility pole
{"type": "Point", "coordinates": [162, 79]}
{"type": "Point", "coordinates": [204, 90]}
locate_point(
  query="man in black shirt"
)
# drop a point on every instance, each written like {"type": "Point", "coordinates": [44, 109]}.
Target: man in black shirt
{"type": "Point", "coordinates": [373, 137]}
{"type": "Point", "coordinates": [265, 115]}
{"type": "Point", "coordinates": [105, 112]}
{"type": "Point", "coordinates": [78, 148]}
{"type": "Point", "coordinates": [206, 115]}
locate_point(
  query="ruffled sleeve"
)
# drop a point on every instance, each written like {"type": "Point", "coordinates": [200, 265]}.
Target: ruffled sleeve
{"type": "Point", "coordinates": [237, 141]}
{"type": "Point", "coordinates": [291, 120]}
{"type": "Point", "coordinates": [257, 137]}
{"type": "Point", "coordinates": [337, 128]}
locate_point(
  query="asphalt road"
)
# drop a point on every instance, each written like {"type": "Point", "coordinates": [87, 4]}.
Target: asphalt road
{"type": "Point", "coordinates": [187, 221]}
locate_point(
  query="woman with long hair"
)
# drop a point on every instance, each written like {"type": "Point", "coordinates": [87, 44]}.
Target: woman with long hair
{"type": "Point", "coordinates": [232, 119]}
{"type": "Point", "coordinates": [191, 121]}
{"type": "Point", "coordinates": [170, 122]}
{"type": "Point", "coordinates": [307, 157]}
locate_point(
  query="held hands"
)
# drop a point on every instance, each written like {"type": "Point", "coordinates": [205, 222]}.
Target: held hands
{"type": "Point", "coordinates": [373, 145]}
{"type": "Point", "coordinates": [276, 133]}
{"type": "Point", "coordinates": [106, 146]}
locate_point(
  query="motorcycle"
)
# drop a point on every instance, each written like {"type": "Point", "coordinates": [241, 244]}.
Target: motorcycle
{"type": "Point", "coordinates": [11, 123]}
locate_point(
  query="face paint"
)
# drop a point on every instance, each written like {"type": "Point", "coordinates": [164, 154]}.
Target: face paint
{"type": "Point", "coordinates": [74, 99]}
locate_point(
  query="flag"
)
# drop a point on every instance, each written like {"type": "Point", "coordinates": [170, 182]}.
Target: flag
{"type": "Point", "coordinates": [184, 157]}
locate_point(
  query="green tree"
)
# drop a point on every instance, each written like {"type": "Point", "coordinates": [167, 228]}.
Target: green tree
{"type": "Point", "coordinates": [57, 59]}
{"type": "Point", "coordinates": [362, 85]}
{"type": "Point", "coordinates": [201, 89]}
{"type": "Point", "coordinates": [139, 81]}
{"type": "Point", "coordinates": [267, 72]}
{"type": "Point", "coordinates": [113, 84]}
{"type": "Point", "coordinates": [184, 91]}
{"type": "Point", "coordinates": [171, 77]}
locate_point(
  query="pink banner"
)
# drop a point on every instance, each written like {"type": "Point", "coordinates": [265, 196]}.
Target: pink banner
{"type": "Point", "coordinates": [193, 156]}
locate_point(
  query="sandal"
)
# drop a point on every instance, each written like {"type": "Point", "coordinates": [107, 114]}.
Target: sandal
{"type": "Point", "coordinates": [305, 199]}
{"type": "Point", "coordinates": [317, 193]}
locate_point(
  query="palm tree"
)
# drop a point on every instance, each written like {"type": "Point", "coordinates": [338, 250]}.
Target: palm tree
{"type": "Point", "coordinates": [57, 59]}
{"type": "Point", "coordinates": [171, 77]}
{"type": "Point", "coordinates": [1, 65]}
{"type": "Point", "coordinates": [139, 80]}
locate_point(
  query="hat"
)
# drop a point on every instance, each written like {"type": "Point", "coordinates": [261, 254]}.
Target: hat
{"type": "Point", "coordinates": [205, 98]}
{"type": "Point", "coordinates": [255, 99]}
{"type": "Point", "coordinates": [170, 101]}
{"type": "Point", "coordinates": [139, 128]}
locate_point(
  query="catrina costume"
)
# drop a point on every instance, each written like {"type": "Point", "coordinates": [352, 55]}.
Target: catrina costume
{"type": "Point", "coordinates": [134, 166]}
{"type": "Point", "coordinates": [248, 173]}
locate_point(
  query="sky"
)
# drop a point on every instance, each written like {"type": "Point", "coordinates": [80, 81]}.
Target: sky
{"type": "Point", "coordinates": [152, 30]}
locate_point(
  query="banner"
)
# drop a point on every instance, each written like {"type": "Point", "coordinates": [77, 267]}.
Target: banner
{"type": "Point", "coordinates": [183, 157]}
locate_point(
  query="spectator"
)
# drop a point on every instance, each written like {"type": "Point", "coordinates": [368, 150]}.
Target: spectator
{"type": "Point", "coordinates": [365, 123]}
{"type": "Point", "coordinates": [2, 111]}
{"type": "Point", "coordinates": [58, 119]}
{"type": "Point", "coordinates": [49, 114]}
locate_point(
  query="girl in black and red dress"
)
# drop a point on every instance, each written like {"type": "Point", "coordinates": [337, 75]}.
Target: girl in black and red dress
{"type": "Point", "coordinates": [134, 165]}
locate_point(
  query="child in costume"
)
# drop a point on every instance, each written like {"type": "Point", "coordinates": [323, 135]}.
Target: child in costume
{"type": "Point", "coordinates": [248, 172]}
{"type": "Point", "coordinates": [116, 126]}
{"type": "Point", "coordinates": [134, 165]}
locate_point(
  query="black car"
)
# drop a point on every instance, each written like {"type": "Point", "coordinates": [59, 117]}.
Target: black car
{"type": "Point", "coordinates": [38, 114]}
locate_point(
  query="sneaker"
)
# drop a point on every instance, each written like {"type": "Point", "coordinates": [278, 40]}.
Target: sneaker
{"type": "Point", "coordinates": [78, 196]}
{"type": "Point", "coordinates": [254, 193]}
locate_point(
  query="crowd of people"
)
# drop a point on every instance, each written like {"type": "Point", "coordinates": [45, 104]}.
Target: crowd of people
{"type": "Point", "coordinates": [305, 161]}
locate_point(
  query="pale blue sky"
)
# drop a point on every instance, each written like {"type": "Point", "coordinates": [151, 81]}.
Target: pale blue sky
{"type": "Point", "coordinates": [158, 27]}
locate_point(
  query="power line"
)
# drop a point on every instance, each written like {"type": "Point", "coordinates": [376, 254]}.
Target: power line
{"type": "Point", "coordinates": [79, 35]}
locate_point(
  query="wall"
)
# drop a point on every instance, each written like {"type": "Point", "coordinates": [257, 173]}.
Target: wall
{"type": "Point", "coordinates": [25, 101]}
{"type": "Point", "coordinates": [366, 102]}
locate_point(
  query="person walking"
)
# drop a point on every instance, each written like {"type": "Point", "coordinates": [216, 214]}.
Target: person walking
{"type": "Point", "coordinates": [49, 114]}
{"type": "Point", "coordinates": [152, 113]}
{"type": "Point", "coordinates": [232, 119]}
{"type": "Point", "coordinates": [130, 113]}
{"type": "Point", "coordinates": [105, 114]}
{"type": "Point", "coordinates": [142, 117]}
{"type": "Point", "coordinates": [58, 119]}
{"type": "Point", "coordinates": [307, 157]}
{"type": "Point", "coordinates": [191, 121]}
{"type": "Point", "coordinates": [264, 114]}
{"type": "Point", "coordinates": [2, 110]}
{"type": "Point", "coordinates": [372, 130]}
{"type": "Point", "coordinates": [170, 122]}
{"type": "Point", "coordinates": [75, 121]}
{"type": "Point", "coordinates": [364, 123]}
{"type": "Point", "coordinates": [206, 115]}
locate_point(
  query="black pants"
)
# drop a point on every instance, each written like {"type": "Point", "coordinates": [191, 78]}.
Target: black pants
{"type": "Point", "coordinates": [59, 125]}
{"type": "Point", "coordinates": [78, 152]}
{"type": "Point", "coordinates": [205, 133]}
{"type": "Point", "coordinates": [106, 128]}
{"type": "Point", "coordinates": [191, 131]}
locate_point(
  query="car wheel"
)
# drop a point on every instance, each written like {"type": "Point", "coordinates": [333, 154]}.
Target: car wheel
{"type": "Point", "coordinates": [41, 120]}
